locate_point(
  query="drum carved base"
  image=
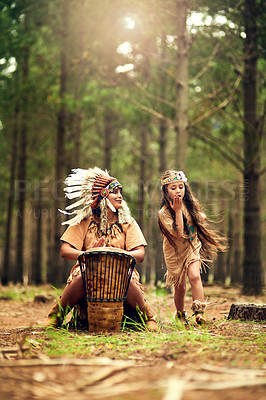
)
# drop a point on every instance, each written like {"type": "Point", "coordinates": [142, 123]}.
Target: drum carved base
{"type": "Point", "coordinates": [131, 318]}
{"type": "Point", "coordinates": [105, 317]}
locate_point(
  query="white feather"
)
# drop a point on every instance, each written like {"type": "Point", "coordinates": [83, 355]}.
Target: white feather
{"type": "Point", "coordinates": [63, 212]}
{"type": "Point", "coordinates": [76, 204]}
{"type": "Point", "coordinates": [79, 185]}
{"type": "Point", "coordinates": [72, 189]}
{"type": "Point", "coordinates": [110, 205]}
{"type": "Point", "coordinates": [73, 195]}
{"type": "Point", "coordinates": [124, 214]}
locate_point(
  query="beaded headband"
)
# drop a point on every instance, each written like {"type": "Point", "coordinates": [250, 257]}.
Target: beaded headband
{"type": "Point", "coordinates": [177, 177]}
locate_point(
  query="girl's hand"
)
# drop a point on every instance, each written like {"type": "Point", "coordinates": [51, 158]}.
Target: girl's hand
{"type": "Point", "coordinates": [177, 204]}
{"type": "Point", "coordinates": [99, 243]}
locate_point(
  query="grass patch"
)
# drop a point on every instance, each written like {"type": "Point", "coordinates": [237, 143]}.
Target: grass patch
{"type": "Point", "coordinates": [177, 339]}
{"type": "Point", "coordinates": [187, 345]}
{"type": "Point", "coordinates": [25, 293]}
{"type": "Point", "coordinates": [222, 342]}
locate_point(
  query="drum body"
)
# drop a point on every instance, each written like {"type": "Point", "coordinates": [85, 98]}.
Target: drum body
{"type": "Point", "coordinates": [106, 273]}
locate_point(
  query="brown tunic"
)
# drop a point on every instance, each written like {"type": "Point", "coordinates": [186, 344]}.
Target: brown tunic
{"type": "Point", "coordinates": [187, 250]}
{"type": "Point", "coordinates": [83, 235]}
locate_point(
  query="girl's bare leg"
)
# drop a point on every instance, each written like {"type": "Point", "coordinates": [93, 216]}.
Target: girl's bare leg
{"type": "Point", "coordinates": [198, 304]}
{"type": "Point", "coordinates": [179, 297]}
{"type": "Point", "coordinates": [195, 281]}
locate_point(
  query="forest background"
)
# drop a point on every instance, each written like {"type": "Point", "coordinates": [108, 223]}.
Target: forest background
{"type": "Point", "coordinates": [135, 87]}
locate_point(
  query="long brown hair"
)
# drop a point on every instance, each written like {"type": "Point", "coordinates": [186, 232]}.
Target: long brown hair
{"type": "Point", "coordinates": [211, 240]}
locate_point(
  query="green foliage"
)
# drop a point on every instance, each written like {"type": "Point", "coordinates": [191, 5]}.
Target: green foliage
{"type": "Point", "coordinates": [25, 294]}
{"type": "Point", "coordinates": [174, 342]}
{"type": "Point", "coordinates": [61, 342]}
{"type": "Point", "coordinates": [219, 342]}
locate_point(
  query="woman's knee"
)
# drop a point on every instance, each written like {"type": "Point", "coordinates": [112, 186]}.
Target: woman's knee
{"type": "Point", "coordinates": [135, 295]}
{"type": "Point", "coordinates": [133, 285]}
{"type": "Point", "coordinates": [77, 280]}
{"type": "Point", "coordinates": [134, 289]}
{"type": "Point", "coordinates": [76, 287]}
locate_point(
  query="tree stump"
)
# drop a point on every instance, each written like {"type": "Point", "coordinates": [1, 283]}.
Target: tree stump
{"type": "Point", "coordinates": [251, 312]}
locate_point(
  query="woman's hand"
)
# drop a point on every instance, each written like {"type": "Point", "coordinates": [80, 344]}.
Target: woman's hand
{"type": "Point", "coordinates": [69, 252]}
{"type": "Point", "coordinates": [99, 243]}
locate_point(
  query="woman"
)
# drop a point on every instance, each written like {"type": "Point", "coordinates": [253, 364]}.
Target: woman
{"type": "Point", "coordinates": [104, 220]}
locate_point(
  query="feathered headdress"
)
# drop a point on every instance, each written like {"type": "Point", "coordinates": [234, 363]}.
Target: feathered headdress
{"type": "Point", "coordinates": [91, 187]}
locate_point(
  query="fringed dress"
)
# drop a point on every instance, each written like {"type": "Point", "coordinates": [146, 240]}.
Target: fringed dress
{"type": "Point", "coordinates": [186, 252]}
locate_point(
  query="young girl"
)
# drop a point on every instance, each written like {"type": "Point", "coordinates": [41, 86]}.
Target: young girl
{"type": "Point", "coordinates": [101, 218]}
{"type": "Point", "coordinates": [188, 240]}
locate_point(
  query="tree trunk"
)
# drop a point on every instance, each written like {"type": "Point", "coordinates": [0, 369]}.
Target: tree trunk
{"type": "Point", "coordinates": [142, 173]}
{"type": "Point", "coordinates": [252, 269]}
{"type": "Point", "coordinates": [149, 258]}
{"type": "Point", "coordinates": [162, 122]}
{"type": "Point", "coordinates": [6, 261]}
{"type": "Point", "coordinates": [142, 268]}
{"type": "Point", "coordinates": [36, 265]}
{"type": "Point", "coordinates": [144, 132]}
{"type": "Point", "coordinates": [107, 139]}
{"type": "Point", "coordinates": [157, 237]}
{"type": "Point", "coordinates": [160, 268]}
{"type": "Point", "coordinates": [181, 118]}
{"type": "Point", "coordinates": [77, 138]}
{"type": "Point", "coordinates": [162, 143]}
{"type": "Point", "coordinates": [230, 235]}
{"type": "Point", "coordinates": [55, 271]}
{"type": "Point", "coordinates": [22, 174]}
{"type": "Point", "coordinates": [78, 114]}
{"type": "Point", "coordinates": [236, 270]}
{"type": "Point", "coordinates": [220, 270]}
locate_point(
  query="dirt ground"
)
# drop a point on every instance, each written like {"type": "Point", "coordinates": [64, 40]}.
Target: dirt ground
{"type": "Point", "coordinates": [151, 376]}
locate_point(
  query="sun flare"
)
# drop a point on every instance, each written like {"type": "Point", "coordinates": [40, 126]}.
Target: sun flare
{"type": "Point", "coordinates": [130, 22]}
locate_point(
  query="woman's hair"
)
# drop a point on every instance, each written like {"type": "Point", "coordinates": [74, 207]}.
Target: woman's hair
{"type": "Point", "coordinates": [211, 240]}
{"type": "Point", "coordinates": [96, 212]}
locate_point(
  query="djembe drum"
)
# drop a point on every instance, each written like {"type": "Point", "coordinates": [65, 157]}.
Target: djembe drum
{"type": "Point", "coordinates": [106, 273]}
